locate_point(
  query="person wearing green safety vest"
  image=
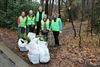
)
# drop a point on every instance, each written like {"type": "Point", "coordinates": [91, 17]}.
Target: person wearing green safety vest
{"type": "Point", "coordinates": [56, 27]}
{"type": "Point", "coordinates": [45, 26]}
{"type": "Point", "coordinates": [22, 22]}
{"type": "Point", "coordinates": [30, 22]}
{"type": "Point", "coordinates": [39, 17]}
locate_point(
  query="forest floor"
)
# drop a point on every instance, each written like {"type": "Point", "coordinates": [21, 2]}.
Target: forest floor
{"type": "Point", "coordinates": [68, 54]}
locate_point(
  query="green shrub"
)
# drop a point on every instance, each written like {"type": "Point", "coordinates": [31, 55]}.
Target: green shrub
{"type": "Point", "coordinates": [9, 18]}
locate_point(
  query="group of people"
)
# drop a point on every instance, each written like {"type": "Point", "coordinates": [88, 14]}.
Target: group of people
{"type": "Point", "coordinates": [40, 23]}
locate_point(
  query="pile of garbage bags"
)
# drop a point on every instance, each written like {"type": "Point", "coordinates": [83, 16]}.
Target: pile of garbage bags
{"type": "Point", "coordinates": [37, 50]}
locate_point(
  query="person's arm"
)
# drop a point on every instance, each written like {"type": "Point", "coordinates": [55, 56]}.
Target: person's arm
{"type": "Point", "coordinates": [26, 20]}
{"type": "Point", "coordinates": [60, 25]}
{"type": "Point", "coordinates": [18, 21]}
{"type": "Point", "coordinates": [41, 24]}
{"type": "Point", "coordinates": [51, 26]}
{"type": "Point", "coordinates": [33, 18]}
{"type": "Point", "coordinates": [43, 13]}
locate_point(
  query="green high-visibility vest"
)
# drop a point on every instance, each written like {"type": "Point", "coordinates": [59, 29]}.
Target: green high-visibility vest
{"type": "Point", "coordinates": [37, 16]}
{"type": "Point", "coordinates": [22, 21]}
{"type": "Point", "coordinates": [30, 20]}
{"type": "Point", "coordinates": [47, 24]}
{"type": "Point", "coordinates": [55, 25]}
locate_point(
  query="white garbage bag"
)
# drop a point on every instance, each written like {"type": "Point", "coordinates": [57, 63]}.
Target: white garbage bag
{"type": "Point", "coordinates": [22, 44]}
{"type": "Point", "coordinates": [38, 52]}
{"type": "Point", "coordinates": [42, 43]}
{"type": "Point", "coordinates": [35, 40]}
{"type": "Point", "coordinates": [31, 35]}
{"type": "Point", "coordinates": [34, 57]}
{"type": "Point", "coordinates": [44, 54]}
{"type": "Point", "coordinates": [32, 46]}
{"type": "Point", "coordinates": [33, 53]}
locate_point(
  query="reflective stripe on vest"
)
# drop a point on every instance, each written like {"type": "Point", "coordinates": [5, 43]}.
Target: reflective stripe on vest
{"type": "Point", "coordinates": [47, 24]}
{"type": "Point", "coordinates": [22, 21]}
{"type": "Point", "coordinates": [30, 21]}
{"type": "Point", "coordinates": [55, 25]}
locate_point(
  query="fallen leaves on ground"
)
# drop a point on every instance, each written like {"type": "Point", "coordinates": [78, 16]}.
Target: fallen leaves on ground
{"type": "Point", "coordinates": [67, 55]}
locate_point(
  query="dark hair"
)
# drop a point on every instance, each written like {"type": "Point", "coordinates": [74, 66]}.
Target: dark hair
{"type": "Point", "coordinates": [59, 16]}
{"type": "Point", "coordinates": [22, 11]}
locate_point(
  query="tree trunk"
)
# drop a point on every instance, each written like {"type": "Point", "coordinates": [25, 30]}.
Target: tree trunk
{"type": "Point", "coordinates": [71, 20]}
{"type": "Point", "coordinates": [42, 3]}
{"type": "Point", "coordinates": [88, 26]}
{"type": "Point", "coordinates": [59, 7]}
{"type": "Point", "coordinates": [92, 16]}
{"type": "Point", "coordinates": [70, 17]}
{"type": "Point", "coordinates": [52, 6]}
{"type": "Point", "coordinates": [82, 13]}
{"type": "Point", "coordinates": [89, 17]}
{"type": "Point", "coordinates": [46, 7]}
{"type": "Point", "coordinates": [73, 28]}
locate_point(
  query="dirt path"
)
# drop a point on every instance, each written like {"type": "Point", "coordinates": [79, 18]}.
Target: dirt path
{"type": "Point", "coordinates": [69, 55]}
{"type": "Point", "coordinates": [10, 39]}
{"type": "Point", "coordinates": [61, 57]}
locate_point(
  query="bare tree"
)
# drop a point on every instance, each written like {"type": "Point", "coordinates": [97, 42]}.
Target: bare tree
{"type": "Point", "coordinates": [46, 7]}
{"type": "Point", "coordinates": [82, 14]}
{"type": "Point", "coordinates": [42, 3]}
{"type": "Point", "coordinates": [68, 5]}
{"type": "Point", "coordinates": [59, 7]}
{"type": "Point", "coordinates": [88, 26]}
{"type": "Point", "coordinates": [52, 6]}
{"type": "Point", "coordinates": [49, 7]}
{"type": "Point", "coordinates": [92, 16]}
{"type": "Point", "coordinates": [70, 17]}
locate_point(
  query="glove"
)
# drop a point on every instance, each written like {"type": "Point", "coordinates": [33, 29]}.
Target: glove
{"type": "Point", "coordinates": [35, 27]}
{"type": "Point", "coordinates": [60, 31]}
{"type": "Point", "coordinates": [24, 26]}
